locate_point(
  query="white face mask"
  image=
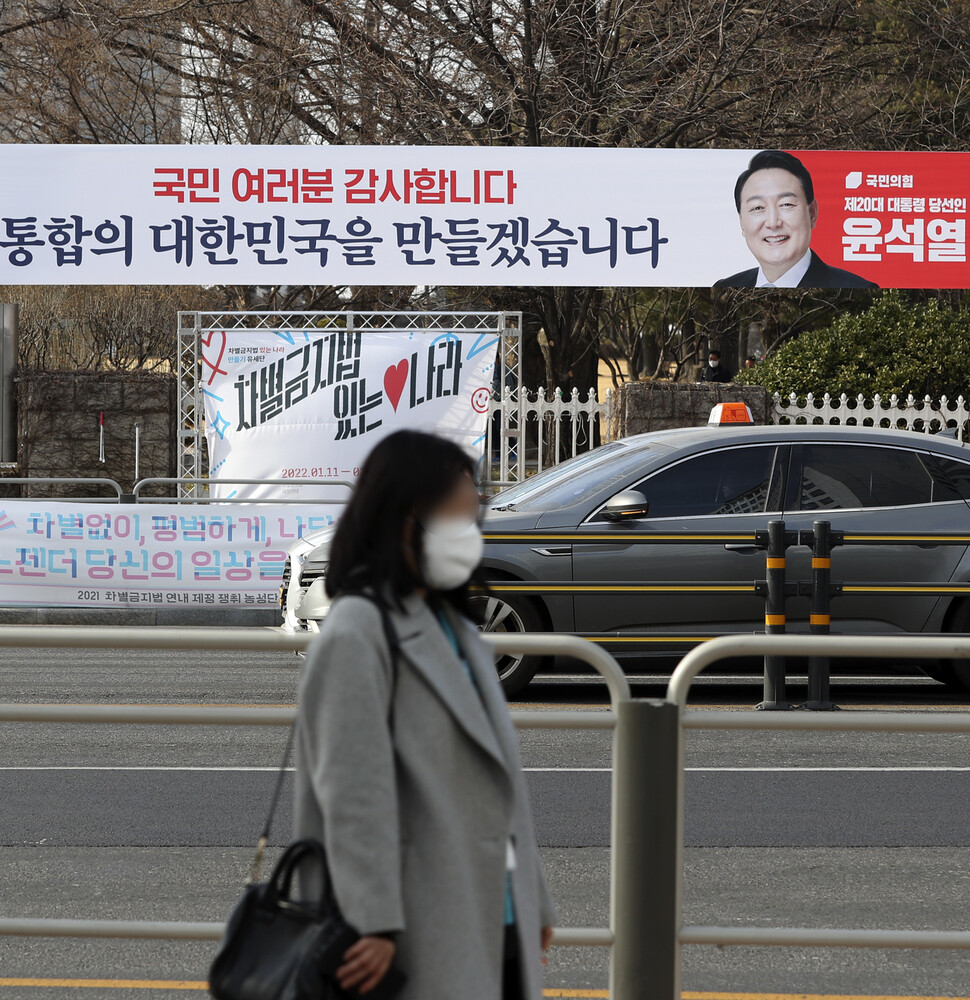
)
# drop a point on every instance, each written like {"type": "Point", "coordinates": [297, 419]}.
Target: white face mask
{"type": "Point", "coordinates": [713, 362]}
{"type": "Point", "coordinates": [452, 549]}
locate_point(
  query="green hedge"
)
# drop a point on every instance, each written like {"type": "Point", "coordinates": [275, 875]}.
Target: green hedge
{"type": "Point", "coordinates": [896, 346]}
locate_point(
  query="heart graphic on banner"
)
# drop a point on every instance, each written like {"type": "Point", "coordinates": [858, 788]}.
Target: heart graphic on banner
{"type": "Point", "coordinates": [394, 380]}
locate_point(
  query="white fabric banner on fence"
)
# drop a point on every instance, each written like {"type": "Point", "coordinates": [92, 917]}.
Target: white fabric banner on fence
{"type": "Point", "coordinates": [63, 554]}
{"type": "Point", "coordinates": [310, 404]}
{"type": "Point", "coordinates": [453, 215]}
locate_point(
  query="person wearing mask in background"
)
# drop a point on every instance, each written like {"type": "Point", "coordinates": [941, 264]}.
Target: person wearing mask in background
{"type": "Point", "coordinates": [715, 371]}
{"type": "Point", "coordinates": [408, 765]}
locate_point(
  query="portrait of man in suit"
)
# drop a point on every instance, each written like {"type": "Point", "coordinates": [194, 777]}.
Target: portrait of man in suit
{"type": "Point", "coordinates": [777, 210]}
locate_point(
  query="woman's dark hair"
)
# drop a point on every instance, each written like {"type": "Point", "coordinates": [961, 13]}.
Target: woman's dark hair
{"type": "Point", "coordinates": [769, 159]}
{"type": "Point", "coordinates": [406, 475]}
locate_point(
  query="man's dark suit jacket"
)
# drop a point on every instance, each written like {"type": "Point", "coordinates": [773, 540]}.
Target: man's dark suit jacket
{"type": "Point", "coordinates": [818, 275]}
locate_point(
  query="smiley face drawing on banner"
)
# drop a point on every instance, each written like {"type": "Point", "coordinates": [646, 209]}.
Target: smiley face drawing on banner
{"type": "Point", "coordinates": [310, 404]}
{"type": "Point", "coordinates": [480, 398]}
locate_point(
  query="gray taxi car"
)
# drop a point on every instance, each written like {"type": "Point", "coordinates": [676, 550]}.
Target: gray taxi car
{"type": "Point", "coordinates": [726, 481]}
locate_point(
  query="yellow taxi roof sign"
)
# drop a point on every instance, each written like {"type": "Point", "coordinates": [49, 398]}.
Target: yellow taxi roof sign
{"type": "Point", "coordinates": [730, 413]}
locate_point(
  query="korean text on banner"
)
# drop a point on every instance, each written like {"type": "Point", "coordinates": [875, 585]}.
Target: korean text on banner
{"type": "Point", "coordinates": [310, 404]}
{"type": "Point", "coordinates": [445, 215]}
{"type": "Point", "coordinates": [58, 554]}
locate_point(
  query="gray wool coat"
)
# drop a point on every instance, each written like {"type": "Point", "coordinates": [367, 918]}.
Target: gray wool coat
{"type": "Point", "coordinates": [415, 787]}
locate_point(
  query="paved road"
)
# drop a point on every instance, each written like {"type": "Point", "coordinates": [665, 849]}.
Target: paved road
{"type": "Point", "coordinates": [884, 843]}
{"type": "Point", "coordinates": [215, 808]}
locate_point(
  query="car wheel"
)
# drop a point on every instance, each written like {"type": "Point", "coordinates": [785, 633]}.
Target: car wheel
{"type": "Point", "coordinates": [502, 616]}
{"type": "Point", "coordinates": [953, 673]}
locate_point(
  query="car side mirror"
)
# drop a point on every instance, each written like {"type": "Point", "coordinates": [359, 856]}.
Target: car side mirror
{"type": "Point", "coordinates": [626, 506]}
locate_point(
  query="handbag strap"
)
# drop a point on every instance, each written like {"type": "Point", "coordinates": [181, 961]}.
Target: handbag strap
{"type": "Point", "coordinates": [393, 644]}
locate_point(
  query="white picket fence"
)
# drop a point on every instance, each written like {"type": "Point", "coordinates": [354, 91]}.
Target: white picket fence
{"type": "Point", "coordinates": [542, 429]}
{"type": "Point", "coordinates": [925, 415]}
{"type": "Point", "coordinates": [548, 427]}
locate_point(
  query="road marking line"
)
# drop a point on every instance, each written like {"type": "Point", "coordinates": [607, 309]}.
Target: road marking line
{"type": "Point", "coordinates": [554, 706]}
{"type": "Point", "coordinates": [824, 770]}
{"type": "Point", "coordinates": [569, 770]}
{"type": "Point", "coordinates": [713, 679]}
{"type": "Point", "coordinates": [577, 993]}
{"type": "Point", "coordinates": [188, 984]}
{"type": "Point", "coordinates": [581, 994]}
{"type": "Point", "coordinates": [111, 984]}
{"type": "Point", "coordinates": [163, 704]}
{"type": "Point", "coordinates": [74, 767]}
{"type": "Point", "coordinates": [537, 770]}
{"type": "Point", "coordinates": [768, 770]}
{"type": "Point", "coordinates": [805, 996]}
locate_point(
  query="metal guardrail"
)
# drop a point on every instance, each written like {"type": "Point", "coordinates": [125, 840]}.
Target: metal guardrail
{"type": "Point", "coordinates": [646, 933]}
{"type": "Point", "coordinates": [130, 637]}
{"type": "Point", "coordinates": [61, 480]}
{"type": "Point", "coordinates": [824, 937]}
{"type": "Point", "coordinates": [154, 930]}
{"type": "Point", "coordinates": [120, 496]}
{"type": "Point", "coordinates": [657, 907]}
{"type": "Point", "coordinates": [67, 637]}
{"type": "Point", "coordinates": [206, 931]}
{"type": "Point", "coordinates": [164, 481]}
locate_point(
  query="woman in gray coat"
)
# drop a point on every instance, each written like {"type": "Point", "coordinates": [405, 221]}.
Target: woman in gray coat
{"type": "Point", "coordinates": [407, 763]}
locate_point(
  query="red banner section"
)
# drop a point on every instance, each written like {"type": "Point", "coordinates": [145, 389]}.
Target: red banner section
{"type": "Point", "coordinates": [897, 219]}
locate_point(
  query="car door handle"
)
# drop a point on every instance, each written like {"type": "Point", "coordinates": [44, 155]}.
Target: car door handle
{"type": "Point", "coordinates": [554, 550]}
{"type": "Point", "coordinates": [746, 547]}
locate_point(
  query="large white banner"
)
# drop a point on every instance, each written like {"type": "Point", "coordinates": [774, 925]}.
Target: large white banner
{"type": "Point", "coordinates": [310, 404]}
{"type": "Point", "coordinates": [356, 215]}
{"type": "Point", "coordinates": [62, 554]}
{"type": "Point", "coordinates": [450, 215]}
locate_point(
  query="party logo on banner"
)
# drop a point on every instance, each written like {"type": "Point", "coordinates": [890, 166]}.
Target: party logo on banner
{"type": "Point", "coordinates": [898, 219]}
{"type": "Point", "coordinates": [310, 404]}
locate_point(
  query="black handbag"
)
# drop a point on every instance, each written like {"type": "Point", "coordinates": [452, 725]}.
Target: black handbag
{"type": "Point", "coordinates": [277, 948]}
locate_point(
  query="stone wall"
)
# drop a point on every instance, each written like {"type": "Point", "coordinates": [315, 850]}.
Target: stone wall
{"type": "Point", "coordinates": [640, 407]}
{"type": "Point", "coordinates": [58, 427]}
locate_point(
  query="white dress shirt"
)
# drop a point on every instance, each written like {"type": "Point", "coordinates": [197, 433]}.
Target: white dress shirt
{"type": "Point", "coordinates": [790, 278]}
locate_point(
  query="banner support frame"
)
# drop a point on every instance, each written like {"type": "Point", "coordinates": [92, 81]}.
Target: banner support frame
{"type": "Point", "coordinates": [193, 325]}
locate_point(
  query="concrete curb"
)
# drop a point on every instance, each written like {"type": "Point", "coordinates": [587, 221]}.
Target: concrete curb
{"type": "Point", "coordinates": [215, 617]}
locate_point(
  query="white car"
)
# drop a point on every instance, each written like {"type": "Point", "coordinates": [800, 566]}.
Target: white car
{"type": "Point", "coordinates": [305, 603]}
{"type": "Point", "coordinates": [303, 600]}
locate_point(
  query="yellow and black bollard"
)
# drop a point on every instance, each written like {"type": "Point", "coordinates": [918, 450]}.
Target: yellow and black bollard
{"type": "Point", "coordinates": [776, 593]}
{"type": "Point", "coordinates": [820, 619]}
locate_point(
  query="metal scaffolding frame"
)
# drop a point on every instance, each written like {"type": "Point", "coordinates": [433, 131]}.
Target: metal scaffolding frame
{"type": "Point", "coordinates": [194, 325]}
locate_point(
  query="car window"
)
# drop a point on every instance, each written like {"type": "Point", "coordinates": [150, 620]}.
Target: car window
{"type": "Point", "coordinates": [555, 474]}
{"type": "Point", "coordinates": [729, 481]}
{"type": "Point", "coordinates": [955, 473]}
{"type": "Point", "coordinates": [572, 482]}
{"type": "Point", "coordinates": [852, 476]}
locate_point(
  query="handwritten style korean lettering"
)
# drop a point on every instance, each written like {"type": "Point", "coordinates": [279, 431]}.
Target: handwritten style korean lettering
{"type": "Point", "coordinates": [270, 390]}
{"type": "Point", "coordinates": [442, 372]}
